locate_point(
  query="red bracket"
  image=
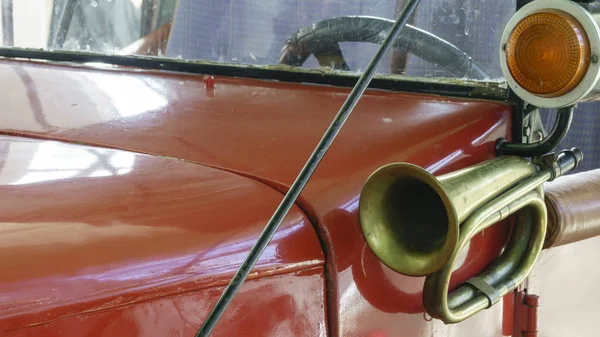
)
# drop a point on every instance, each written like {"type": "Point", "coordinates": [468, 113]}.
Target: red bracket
{"type": "Point", "coordinates": [525, 313]}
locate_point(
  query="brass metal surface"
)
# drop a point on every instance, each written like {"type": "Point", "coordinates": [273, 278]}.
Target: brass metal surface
{"type": "Point", "coordinates": [411, 222]}
{"type": "Point", "coordinates": [502, 276]}
{"type": "Point", "coordinates": [410, 218]}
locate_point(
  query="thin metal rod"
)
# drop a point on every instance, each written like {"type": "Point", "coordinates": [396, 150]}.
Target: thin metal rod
{"type": "Point", "coordinates": [7, 23]}
{"type": "Point", "coordinates": [304, 175]}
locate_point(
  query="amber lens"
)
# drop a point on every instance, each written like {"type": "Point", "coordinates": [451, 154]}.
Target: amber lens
{"type": "Point", "coordinates": [548, 53]}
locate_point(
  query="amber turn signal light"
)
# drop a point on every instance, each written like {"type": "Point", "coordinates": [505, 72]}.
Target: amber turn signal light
{"type": "Point", "coordinates": [548, 53]}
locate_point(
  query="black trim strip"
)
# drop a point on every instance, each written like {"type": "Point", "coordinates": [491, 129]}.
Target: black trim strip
{"type": "Point", "coordinates": [444, 87]}
{"type": "Point", "coordinates": [518, 117]}
{"type": "Point", "coordinates": [518, 103]}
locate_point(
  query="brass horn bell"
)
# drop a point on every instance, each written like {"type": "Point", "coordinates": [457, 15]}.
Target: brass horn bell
{"type": "Point", "coordinates": [410, 220]}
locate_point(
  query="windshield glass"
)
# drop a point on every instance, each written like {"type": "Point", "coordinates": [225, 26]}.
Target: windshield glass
{"type": "Point", "coordinates": [447, 38]}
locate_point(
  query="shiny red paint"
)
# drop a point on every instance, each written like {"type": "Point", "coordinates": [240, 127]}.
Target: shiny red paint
{"type": "Point", "coordinates": [89, 235]}
{"type": "Point", "coordinates": [526, 314]}
{"type": "Point", "coordinates": [294, 302]}
{"type": "Point", "coordinates": [266, 131]}
{"type": "Point", "coordinates": [508, 313]}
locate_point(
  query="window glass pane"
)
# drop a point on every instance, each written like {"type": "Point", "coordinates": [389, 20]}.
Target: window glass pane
{"type": "Point", "coordinates": [255, 31]}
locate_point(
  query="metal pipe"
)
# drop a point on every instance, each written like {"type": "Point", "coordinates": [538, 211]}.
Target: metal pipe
{"type": "Point", "coordinates": [304, 175]}
{"type": "Point", "coordinates": [525, 199]}
{"type": "Point", "coordinates": [7, 23]}
{"type": "Point", "coordinates": [558, 133]}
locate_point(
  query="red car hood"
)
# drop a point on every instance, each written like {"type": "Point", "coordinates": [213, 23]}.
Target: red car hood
{"type": "Point", "coordinates": [267, 130]}
{"type": "Point", "coordinates": [85, 229]}
{"type": "Point", "coordinates": [260, 128]}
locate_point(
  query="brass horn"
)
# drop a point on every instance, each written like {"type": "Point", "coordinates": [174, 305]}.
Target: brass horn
{"type": "Point", "coordinates": [417, 224]}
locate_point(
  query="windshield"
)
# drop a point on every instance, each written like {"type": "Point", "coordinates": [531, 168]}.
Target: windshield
{"type": "Point", "coordinates": [447, 38]}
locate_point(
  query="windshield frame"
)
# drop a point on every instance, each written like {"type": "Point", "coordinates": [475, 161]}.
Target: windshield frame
{"type": "Point", "coordinates": [449, 87]}
{"type": "Point", "coordinates": [152, 17]}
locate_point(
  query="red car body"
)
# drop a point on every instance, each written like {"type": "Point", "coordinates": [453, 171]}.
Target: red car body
{"type": "Point", "coordinates": [131, 196]}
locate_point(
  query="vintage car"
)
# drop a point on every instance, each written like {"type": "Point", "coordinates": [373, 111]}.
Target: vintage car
{"type": "Point", "coordinates": [216, 167]}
